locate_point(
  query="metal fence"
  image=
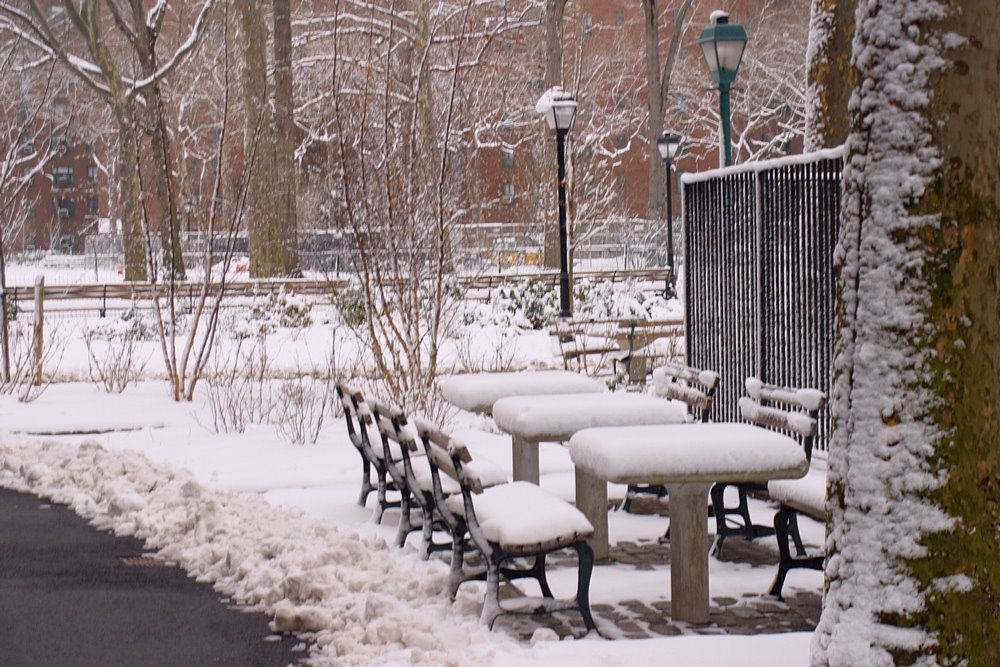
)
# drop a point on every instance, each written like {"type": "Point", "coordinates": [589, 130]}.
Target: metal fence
{"type": "Point", "coordinates": [760, 285]}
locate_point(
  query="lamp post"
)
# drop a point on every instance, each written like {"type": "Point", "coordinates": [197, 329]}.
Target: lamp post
{"type": "Point", "coordinates": [187, 212]}
{"type": "Point", "coordinates": [669, 145]}
{"type": "Point", "coordinates": [559, 107]}
{"type": "Point", "coordinates": [722, 44]}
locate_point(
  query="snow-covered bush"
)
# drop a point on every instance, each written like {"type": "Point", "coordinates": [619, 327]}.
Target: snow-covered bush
{"type": "Point", "coordinates": [236, 385]}
{"type": "Point", "coordinates": [301, 406]}
{"type": "Point", "coordinates": [282, 309]}
{"type": "Point", "coordinates": [113, 354]}
{"type": "Point", "coordinates": [531, 305]}
{"type": "Point", "coordinates": [350, 304]}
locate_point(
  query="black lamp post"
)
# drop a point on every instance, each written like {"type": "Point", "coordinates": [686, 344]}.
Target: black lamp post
{"type": "Point", "coordinates": [559, 108]}
{"type": "Point", "coordinates": [722, 44]}
{"type": "Point", "coordinates": [187, 212]}
{"type": "Point", "coordinates": [668, 145]}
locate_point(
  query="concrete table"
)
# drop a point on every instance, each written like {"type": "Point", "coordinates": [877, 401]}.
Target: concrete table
{"type": "Point", "coordinates": [477, 392]}
{"type": "Point", "coordinates": [687, 459]}
{"type": "Point", "coordinates": [556, 417]}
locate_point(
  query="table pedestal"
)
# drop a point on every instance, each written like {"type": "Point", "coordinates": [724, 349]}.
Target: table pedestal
{"type": "Point", "coordinates": [688, 551]}
{"type": "Point", "coordinates": [525, 460]}
{"type": "Point", "coordinates": [592, 500]}
{"type": "Point", "coordinates": [688, 539]}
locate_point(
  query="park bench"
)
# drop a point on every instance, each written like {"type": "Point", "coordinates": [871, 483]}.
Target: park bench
{"type": "Point", "coordinates": [412, 474]}
{"type": "Point", "coordinates": [634, 344]}
{"type": "Point", "coordinates": [788, 410]}
{"type": "Point", "coordinates": [359, 419]}
{"type": "Point", "coordinates": [506, 523]}
{"type": "Point", "coordinates": [797, 496]}
{"type": "Point", "coordinates": [691, 386]}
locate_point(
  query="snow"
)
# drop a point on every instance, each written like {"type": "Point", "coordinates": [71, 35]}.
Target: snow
{"type": "Point", "coordinates": [763, 165]}
{"type": "Point", "coordinates": [709, 451]}
{"type": "Point", "coordinates": [277, 524]}
{"type": "Point", "coordinates": [557, 416]}
{"type": "Point", "coordinates": [477, 392]}
{"type": "Point", "coordinates": [554, 94]}
{"type": "Point", "coordinates": [521, 513]}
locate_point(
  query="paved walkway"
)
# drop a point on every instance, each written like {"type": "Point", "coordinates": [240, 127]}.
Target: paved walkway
{"type": "Point", "coordinates": [634, 619]}
{"type": "Point", "coordinates": [74, 596]}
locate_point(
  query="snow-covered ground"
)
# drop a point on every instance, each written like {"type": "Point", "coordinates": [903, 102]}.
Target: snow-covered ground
{"type": "Point", "coordinates": [278, 525]}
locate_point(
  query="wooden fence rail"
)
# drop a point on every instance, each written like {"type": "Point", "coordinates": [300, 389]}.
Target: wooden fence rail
{"type": "Point", "coordinates": [249, 288]}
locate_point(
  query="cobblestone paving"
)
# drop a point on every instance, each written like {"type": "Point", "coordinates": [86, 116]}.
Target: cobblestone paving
{"type": "Point", "coordinates": [633, 619]}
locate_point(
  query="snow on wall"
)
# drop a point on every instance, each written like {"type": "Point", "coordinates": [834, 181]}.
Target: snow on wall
{"type": "Point", "coordinates": [879, 452]}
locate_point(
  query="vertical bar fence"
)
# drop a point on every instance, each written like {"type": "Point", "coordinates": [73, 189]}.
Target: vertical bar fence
{"type": "Point", "coordinates": [759, 276]}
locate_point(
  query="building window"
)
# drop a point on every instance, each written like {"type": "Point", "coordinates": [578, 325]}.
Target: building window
{"type": "Point", "coordinates": [63, 176]}
{"type": "Point", "coordinates": [620, 181]}
{"type": "Point", "coordinates": [619, 18]}
{"type": "Point", "coordinates": [622, 141]}
{"type": "Point", "coordinates": [65, 207]}
{"type": "Point", "coordinates": [92, 205]}
{"type": "Point", "coordinates": [63, 145]}
{"type": "Point", "coordinates": [508, 192]}
{"type": "Point", "coordinates": [508, 158]}
{"type": "Point", "coordinates": [588, 22]}
{"type": "Point", "coordinates": [91, 173]}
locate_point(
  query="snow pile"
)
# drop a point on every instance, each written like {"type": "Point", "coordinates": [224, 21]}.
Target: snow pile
{"type": "Point", "coordinates": [363, 604]}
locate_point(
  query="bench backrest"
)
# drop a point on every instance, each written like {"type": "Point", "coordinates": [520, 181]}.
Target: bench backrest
{"type": "Point", "coordinates": [787, 409]}
{"type": "Point", "coordinates": [447, 455]}
{"type": "Point", "coordinates": [391, 424]}
{"type": "Point", "coordinates": [692, 386]}
{"type": "Point", "coordinates": [356, 413]}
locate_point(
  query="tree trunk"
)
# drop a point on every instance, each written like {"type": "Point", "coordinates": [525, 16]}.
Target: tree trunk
{"type": "Point", "coordinates": [831, 77]}
{"type": "Point", "coordinates": [162, 165]}
{"type": "Point", "coordinates": [554, 10]}
{"type": "Point", "coordinates": [658, 88]}
{"type": "Point", "coordinates": [284, 138]}
{"type": "Point", "coordinates": [914, 479]}
{"type": "Point", "coordinates": [269, 240]}
{"type": "Point", "coordinates": [655, 205]}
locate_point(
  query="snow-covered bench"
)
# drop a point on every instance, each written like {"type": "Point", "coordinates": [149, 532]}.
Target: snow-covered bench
{"type": "Point", "coordinates": [585, 345]}
{"type": "Point", "coordinates": [413, 475]}
{"type": "Point", "coordinates": [507, 522]}
{"type": "Point", "coordinates": [784, 409]}
{"type": "Point", "coordinates": [644, 341]}
{"type": "Point", "coordinates": [797, 496]}
{"type": "Point", "coordinates": [694, 388]}
{"type": "Point", "coordinates": [359, 419]}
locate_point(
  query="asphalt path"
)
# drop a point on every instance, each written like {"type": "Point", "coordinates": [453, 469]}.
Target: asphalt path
{"type": "Point", "coordinates": [74, 596]}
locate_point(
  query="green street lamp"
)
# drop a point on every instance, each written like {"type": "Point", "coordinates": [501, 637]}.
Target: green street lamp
{"type": "Point", "coordinates": [722, 44]}
{"type": "Point", "coordinates": [669, 145]}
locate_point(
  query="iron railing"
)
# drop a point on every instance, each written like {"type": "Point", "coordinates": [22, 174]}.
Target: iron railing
{"type": "Point", "coordinates": [760, 284]}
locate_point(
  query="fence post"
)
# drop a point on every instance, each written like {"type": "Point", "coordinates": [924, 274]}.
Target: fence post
{"type": "Point", "coordinates": [39, 327]}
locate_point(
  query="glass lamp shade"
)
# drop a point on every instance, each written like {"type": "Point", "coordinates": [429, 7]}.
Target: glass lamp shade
{"type": "Point", "coordinates": [560, 116]}
{"type": "Point", "coordinates": [668, 145]}
{"type": "Point", "coordinates": [722, 44]}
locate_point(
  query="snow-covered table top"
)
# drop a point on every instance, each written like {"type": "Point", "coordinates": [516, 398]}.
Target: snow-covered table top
{"type": "Point", "coordinates": [556, 417]}
{"type": "Point", "coordinates": [477, 392]}
{"type": "Point", "coordinates": [680, 453]}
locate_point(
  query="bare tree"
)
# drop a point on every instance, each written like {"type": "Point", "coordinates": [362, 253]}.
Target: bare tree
{"type": "Point", "coordinates": [658, 86]}
{"type": "Point", "coordinates": [26, 130]}
{"type": "Point", "coordinates": [112, 48]}
{"type": "Point", "coordinates": [398, 75]}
